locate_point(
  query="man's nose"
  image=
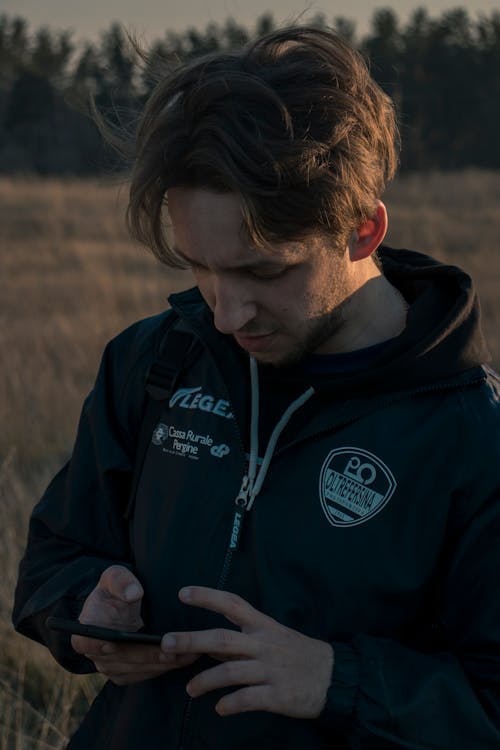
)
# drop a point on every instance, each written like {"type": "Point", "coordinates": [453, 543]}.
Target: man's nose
{"type": "Point", "coordinates": [233, 309]}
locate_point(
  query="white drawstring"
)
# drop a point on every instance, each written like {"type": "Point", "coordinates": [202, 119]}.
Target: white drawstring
{"type": "Point", "coordinates": [255, 481]}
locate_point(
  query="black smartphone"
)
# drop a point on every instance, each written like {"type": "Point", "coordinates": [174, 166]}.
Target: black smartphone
{"type": "Point", "coordinates": [105, 634]}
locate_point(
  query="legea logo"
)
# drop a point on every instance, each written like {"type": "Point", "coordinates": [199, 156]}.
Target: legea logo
{"type": "Point", "coordinates": [193, 398]}
{"type": "Point", "coordinates": [354, 485]}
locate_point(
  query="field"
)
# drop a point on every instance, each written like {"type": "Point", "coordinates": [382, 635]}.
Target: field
{"type": "Point", "coordinates": [69, 280]}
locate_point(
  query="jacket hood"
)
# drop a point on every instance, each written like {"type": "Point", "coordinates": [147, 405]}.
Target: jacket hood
{"type": "Point", "coordinates": [442, 339]}
{"type": "Point", "coordinates": [443, 336]}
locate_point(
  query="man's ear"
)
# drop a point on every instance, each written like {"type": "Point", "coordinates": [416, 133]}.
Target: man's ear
{"type": "Point", "coordinates": [369, 235]}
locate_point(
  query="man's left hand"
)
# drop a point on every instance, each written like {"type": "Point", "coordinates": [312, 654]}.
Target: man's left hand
{"type": "Point", "coordinates": [283, 671]}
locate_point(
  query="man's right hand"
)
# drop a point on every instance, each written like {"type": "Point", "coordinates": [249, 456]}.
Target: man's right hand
{"type": "Point", "coordinates": [116, 603]}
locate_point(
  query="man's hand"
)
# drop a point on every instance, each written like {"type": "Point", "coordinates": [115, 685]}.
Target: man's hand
{"type": "Point", "coordinates": [283, 671]}
{"type": "Point", "coordinates": [116, 603]}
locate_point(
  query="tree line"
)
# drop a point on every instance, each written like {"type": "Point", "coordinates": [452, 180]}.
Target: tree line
{"type": "Point", "coordinates": [443, 73]}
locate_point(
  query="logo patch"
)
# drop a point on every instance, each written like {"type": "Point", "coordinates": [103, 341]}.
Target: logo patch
{"type": "Point", "coordinates": [194, 398]}
{"type": "Point", "coordinates": [354, 485]}
{"type": "Point", "coordinates": [186, 443]}
{"type": "Point", "coordinates": [160, 434]}
{"type": "Point", "coordinates": [219, 451]}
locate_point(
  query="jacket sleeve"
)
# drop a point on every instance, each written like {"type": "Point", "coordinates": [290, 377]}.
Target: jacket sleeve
{"type": "Point", "coordinates": [385, 694]}
{"type": "Point", "coordinates": [77, 529]}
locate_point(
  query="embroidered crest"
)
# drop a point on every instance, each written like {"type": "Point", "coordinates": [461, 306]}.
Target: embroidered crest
{"type": "Point", "coordinates": [354, 485]}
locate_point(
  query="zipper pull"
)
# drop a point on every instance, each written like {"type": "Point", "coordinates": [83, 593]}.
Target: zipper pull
{"type": "Point", "coordinates": [242, 497]}
{"type": "Point", "coordinates": [241, 502]}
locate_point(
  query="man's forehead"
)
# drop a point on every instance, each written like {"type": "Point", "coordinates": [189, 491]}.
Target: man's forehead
{"type": "Point", "coordinates": [210, 228]}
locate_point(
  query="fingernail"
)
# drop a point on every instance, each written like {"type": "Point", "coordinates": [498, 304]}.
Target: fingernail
{"type": "Point", "coordinates": [185, 594]}
{"type": "Point", "coordinates": [168, 641]}
{"type": "Point", "coordinates": [132, 592]}
{"type": "Point", "coordinates": [108, 649]}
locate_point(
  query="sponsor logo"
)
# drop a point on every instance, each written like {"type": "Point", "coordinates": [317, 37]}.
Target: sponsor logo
{"type": "Point", "coordinates": [354, 485]}
{"type": "Point", "coordinates": [160, 434]}
{"type": "Point", "coordinates": [193, 398]}
{"type": "Point", "coordinates": [235, 533]}
{"type": "Point", "coordinates": [186, 443]}
{"type": "Point", "coordinates": [219, 451]}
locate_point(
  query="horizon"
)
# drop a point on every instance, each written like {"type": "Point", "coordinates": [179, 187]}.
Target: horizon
{"type": "Point", "coordinates": [86, 22]}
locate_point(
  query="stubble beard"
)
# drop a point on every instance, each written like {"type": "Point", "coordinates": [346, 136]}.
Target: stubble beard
{"type": "Point", "coordinates": [318, 332]}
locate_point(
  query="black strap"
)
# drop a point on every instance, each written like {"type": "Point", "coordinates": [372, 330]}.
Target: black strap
{"type": "Point", "coordinates": [160, 383]}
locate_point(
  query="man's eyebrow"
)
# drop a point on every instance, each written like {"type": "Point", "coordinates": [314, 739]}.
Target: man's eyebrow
{"type": "Point", "coordinates": [247, 265]}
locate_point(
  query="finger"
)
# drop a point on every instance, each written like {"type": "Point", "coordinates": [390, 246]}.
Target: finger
{"type": "Point", "coordinates": [117, 669]}
{"type": "Point", "coordinates": [246, 672]}
{"type": "Point", "coordinates": [120, 583]}
{"type": "Point", "coordinates": [112, 653]}
{"type": "Point", "coordinates": [233, 607]}
{"type": "Point", "coordinates": [254, 698]}
{"type": "Point", "coordinates": [84, 645]}
{"type": "Point", "coordinates": [219, 642]}
{"type": "Point", "coordinates": [130, 653]}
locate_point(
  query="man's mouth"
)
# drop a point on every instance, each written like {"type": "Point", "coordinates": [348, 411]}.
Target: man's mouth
{"type": "Point", "coordinates": [255, 343]}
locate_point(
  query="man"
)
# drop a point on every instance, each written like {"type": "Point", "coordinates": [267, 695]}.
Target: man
{"type": "Point", "coordinates": [313, 524]}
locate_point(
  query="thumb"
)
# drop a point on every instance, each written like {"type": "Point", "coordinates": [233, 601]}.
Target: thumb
{"type": "Point", "coordinates": [121, 583]}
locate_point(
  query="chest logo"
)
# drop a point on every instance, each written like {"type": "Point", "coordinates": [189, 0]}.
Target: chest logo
{"type": "Point", "coordinates": [354, 485]}
{"type": "Point", "coordinates": [194, 398]}
{"type": "Point", "coordinates": [186, 443]}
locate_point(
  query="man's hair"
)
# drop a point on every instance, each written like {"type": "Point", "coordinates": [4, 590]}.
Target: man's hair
{"type": "Point", "coordinates": [292, 124]}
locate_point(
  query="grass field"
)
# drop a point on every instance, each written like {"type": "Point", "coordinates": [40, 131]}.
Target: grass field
{"type": "Point", "coordinates": [70, 280]}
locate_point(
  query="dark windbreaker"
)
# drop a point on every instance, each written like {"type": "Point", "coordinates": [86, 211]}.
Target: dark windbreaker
{"type": "Point", "coordinates": [376, 529]}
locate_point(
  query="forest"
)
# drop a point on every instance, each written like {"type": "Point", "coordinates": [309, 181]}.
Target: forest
{"type": "Point", "coordinates": [442, 72]}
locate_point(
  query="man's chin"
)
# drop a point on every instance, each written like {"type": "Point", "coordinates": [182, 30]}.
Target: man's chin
{"type": "Point", "coordinates": [272, 350]}
{"type": "Point", "coordinates": [277, 359]}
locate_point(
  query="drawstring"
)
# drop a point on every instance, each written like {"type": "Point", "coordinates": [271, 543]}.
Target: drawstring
{"type": "Point", "coordinates": [255, 481]}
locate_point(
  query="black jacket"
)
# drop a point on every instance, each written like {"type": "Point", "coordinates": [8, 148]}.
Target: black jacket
{"type": "Point", "coordinates": [376, 529]}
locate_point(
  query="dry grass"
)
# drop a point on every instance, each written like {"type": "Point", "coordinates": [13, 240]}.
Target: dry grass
{"type": "Point", "coordinates": [70, 280]}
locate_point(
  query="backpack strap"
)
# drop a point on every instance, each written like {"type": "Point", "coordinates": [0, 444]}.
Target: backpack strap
{"type": "Point", "coordinates": [159, 384]}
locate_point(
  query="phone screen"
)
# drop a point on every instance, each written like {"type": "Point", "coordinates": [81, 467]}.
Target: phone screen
{"type": "Point", "coordinates": [105, 634]}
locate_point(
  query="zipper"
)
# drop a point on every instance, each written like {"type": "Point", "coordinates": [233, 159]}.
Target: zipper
{"type": "Point", "coordinates": [241, 502]}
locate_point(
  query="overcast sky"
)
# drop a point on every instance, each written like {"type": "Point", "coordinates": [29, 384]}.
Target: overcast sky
{"type": "Point", "coordinates": [152, 17]}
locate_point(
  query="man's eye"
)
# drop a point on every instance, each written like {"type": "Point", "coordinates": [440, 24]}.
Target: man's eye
{"type": "Point", "coordinates": [268, 275]}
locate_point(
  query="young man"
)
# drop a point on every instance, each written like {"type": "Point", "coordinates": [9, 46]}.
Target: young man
{"type": "Point", "coordinates": [313, 522]}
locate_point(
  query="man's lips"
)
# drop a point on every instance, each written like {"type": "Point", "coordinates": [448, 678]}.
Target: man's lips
{"type": "Point", "coordinates": [255, 343]}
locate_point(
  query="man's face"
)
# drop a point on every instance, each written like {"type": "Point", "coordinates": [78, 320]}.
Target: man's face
{"type": "Point", "coordinates": [278, 303]}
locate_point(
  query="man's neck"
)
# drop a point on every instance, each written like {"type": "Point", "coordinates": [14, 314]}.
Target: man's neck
{"type": "Point", "coordinates": [374, 313]}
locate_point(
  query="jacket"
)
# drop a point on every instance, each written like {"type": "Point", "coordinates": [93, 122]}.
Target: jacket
{"type": "Point", "coordinates": [376, 528]}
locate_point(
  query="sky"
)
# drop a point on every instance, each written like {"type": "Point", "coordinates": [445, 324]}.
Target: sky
{"type": "Point", "coordinates": [151, 18]}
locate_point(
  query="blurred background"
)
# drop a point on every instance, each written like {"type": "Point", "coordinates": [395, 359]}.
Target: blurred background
{"type": "Point", "coordinates": [70, 278]}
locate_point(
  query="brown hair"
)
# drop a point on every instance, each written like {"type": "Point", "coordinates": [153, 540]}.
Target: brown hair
{"type": "Point", "coordinates": [293, 124]}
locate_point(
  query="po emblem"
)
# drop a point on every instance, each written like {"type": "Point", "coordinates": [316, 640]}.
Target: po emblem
{"type": "Point", "coordinates": [354, 485]}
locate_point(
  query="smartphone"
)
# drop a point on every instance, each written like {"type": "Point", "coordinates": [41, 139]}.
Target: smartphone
{"type": "Point", "coordinates": [105, 634]}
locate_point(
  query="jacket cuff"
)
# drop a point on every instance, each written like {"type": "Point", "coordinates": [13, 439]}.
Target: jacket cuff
{"type": "Point", "coordinates": [338, 711]}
